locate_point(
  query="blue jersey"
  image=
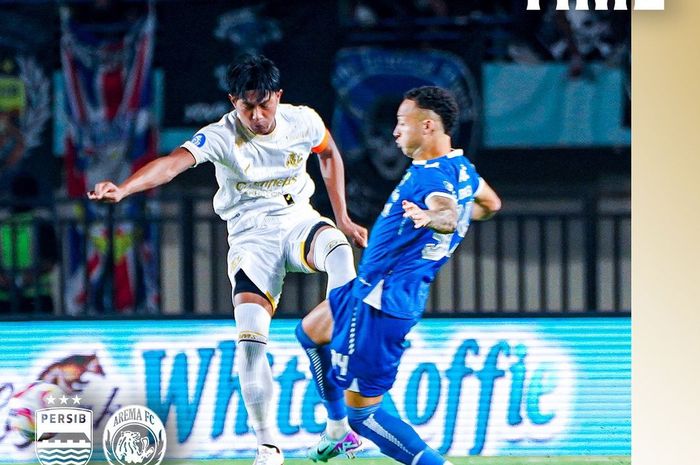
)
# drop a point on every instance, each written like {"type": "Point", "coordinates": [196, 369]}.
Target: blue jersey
{"type": "Point", "coordinates": [401, 261]}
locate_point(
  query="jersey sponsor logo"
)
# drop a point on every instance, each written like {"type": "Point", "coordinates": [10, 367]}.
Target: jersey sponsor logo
{"type": "Point", "coordinates": [395, 194]}
{"type": "Point", "coordinates": [438, 250]}
{"type": "Point", "coordinates": [463, 175]}
{"type": "Point", "coordinates": [266, 185]}
{"type": "Point", "coordinates": [199, 139]}
{"type": "Point", "coordinates": [387, 208]}
{"type": "Point", "coordinates": [268, 188]}
{"type": "Point", "coordinates": [465, 192]}
{"type": "Point", "coordinates": [294, 160]}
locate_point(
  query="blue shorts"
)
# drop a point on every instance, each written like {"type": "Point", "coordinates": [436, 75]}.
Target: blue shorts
{"type": "Point", "coordinates": [367, 344]}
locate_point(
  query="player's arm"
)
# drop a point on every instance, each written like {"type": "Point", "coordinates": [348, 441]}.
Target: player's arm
{"type": "Point", "coordinates": [155, 173]}
{"type": "Point", "coordinates": [441, 215]}
{"type": "Point", "coordinates": [333, 173]}
{"type": "Point", "coordinates": [486, 203]}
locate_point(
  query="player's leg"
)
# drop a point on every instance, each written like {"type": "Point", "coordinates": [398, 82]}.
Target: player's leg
{"type": "Point", "coordinates": [253, 313]}
{"type": "Point", "coordinates": [314, 333]}
{"type": "Point", "coordinates": [313, 244]}
{"type": "Point", "coordinates": [393, 436]}
{"type": "Point", "coordinates": [330, 251]}
{"type": "Point", "coordinates": [372, 359]}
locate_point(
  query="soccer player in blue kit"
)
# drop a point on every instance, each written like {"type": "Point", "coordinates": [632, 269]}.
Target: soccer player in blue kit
{"type": "Point", "coordinates": [355, 338]}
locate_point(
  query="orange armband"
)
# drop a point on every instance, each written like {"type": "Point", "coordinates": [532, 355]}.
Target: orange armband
{"type": "Point", "coordinates": [324, 143]}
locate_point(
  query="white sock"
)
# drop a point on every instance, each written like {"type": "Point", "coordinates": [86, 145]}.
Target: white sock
{"type": "Point", "coordinates": [333, 254]}
{"type": "Point", "coordinates": [254, 372]}
{"type": "Point", "coordinates": [340, 267]}
{"type": "Point", "coordinates": [337, 429]}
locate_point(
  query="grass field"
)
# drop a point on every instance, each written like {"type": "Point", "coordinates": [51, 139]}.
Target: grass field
{"type": "Point", "coordinates": [552, 460]}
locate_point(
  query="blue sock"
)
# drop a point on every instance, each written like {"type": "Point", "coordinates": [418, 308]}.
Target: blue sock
{"type": "Point", "coordinates": [394, 437]}
{"type": "Point", "coordinates": [320, 364]}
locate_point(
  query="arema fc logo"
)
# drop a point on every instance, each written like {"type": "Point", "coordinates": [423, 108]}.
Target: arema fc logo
{"type": "Point", "coordinates": [134, 435]}
{"type": "Point", "coordinates": [64, 434]}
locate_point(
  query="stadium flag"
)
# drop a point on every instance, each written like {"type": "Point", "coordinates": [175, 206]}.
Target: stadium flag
{"type": "Point", "coordinates": [111, 132]}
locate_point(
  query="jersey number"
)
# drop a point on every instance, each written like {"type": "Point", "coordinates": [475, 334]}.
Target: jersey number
{"type": "Point", "coordinates": [442, 247]}
{"type": "Point", "coordinates": [340, 362]}
{"type": "Point", "coordinates": [438, 250]}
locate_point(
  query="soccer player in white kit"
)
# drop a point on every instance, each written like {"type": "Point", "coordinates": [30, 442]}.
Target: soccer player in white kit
{"type": "Point", "coordinates": [260, 151]}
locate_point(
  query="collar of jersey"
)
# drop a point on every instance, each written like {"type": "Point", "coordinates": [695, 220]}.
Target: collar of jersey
{"type": "Point", "coordinates": [452, 154]}
{"type": "Point", "coordinates": [251, 135]}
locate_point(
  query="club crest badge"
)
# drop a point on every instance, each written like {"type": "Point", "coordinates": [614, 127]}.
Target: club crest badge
{"type": "Point", "coordinates": [294, 160]}
{"type": "Point", "coordinates": [63, 435]}
{"type": "Point", "coordinates": [134, 435]}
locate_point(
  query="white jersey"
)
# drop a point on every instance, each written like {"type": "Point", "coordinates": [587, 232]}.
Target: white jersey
{"type": "Point", "coordinates": [260, 173]}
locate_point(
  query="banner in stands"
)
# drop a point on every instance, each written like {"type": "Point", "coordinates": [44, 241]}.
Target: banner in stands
{"type": "Point", "coordinates": [469, 387]}
{"type": "Point", "coordinates": [552, 109]}
{"type": "Point", "coordinates": [110, 133]}
{"type": "Point", "coordinates": [369, 84]}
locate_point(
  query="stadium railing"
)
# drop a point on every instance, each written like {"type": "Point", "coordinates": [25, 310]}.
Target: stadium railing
{"type": "Point", "coordinates": [538, 257]}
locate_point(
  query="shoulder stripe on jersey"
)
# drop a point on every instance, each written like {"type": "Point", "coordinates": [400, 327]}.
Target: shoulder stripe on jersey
{"type": "Point", "coordinates": [452, 154]}
{"type": "Point", "coordinates": [324, 143]}
{"type": "Point", "coordinates": [440, 194]}
{"type": "Point", "coordinates": [479, 187]}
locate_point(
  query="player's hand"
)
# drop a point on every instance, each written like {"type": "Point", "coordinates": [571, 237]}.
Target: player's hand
{"type": "Point", "coordinates": [354, 231]}
{"type": "Point", "coordinates": [419, 217]}
{"type": "Point", "coordinates": [106, 191]}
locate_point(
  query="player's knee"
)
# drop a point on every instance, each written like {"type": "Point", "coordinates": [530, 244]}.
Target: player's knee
{"type": "Point", "coordinates": [303, 338]}
{"type": "Point", "coordinates": [358, 415]}
{"type": "Point", "coordinates": [327, 241]}
{"type": "Point", "coordinates": [253, 323]}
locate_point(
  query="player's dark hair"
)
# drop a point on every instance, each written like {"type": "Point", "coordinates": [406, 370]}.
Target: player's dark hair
{"type": "Point", "coordinates": [439, 100]}
{"type": "Point", "coordinates": [252, 72]}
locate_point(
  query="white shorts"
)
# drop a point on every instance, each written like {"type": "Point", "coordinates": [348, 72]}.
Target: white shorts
{"type": "Point", "coordinates": [269, 246]}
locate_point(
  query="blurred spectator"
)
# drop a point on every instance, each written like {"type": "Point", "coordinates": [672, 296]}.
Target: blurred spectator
{"type": "Point", "coordinates": [12, 102]}
{"type": "Point", "coordinates": [11, 141]}
{"type": "Point", "coordinates": [28, 251]}
{"type": "Point", "coordinates": [366, 14]}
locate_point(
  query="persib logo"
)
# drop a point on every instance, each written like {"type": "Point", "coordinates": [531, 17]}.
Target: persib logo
{"type": "Point", "coordinates": [600, 4]}
{"type": "Point", "coordinates": [64, 434]}
{"type": "Point", "coordinates": [199, 139]}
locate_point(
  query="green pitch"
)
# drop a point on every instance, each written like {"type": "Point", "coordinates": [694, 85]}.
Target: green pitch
{"type": "Point", "coordinates": [578, 460]}
{"type": "Point", "coordinates": [583, 460]}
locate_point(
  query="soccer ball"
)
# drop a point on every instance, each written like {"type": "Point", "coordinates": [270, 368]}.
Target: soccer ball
{"type": "Point", "coordinates": [25, 403]}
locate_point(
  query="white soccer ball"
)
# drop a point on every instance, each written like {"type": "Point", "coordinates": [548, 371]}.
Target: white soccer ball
{"type": "Point", "coordinates": [24, 404]}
